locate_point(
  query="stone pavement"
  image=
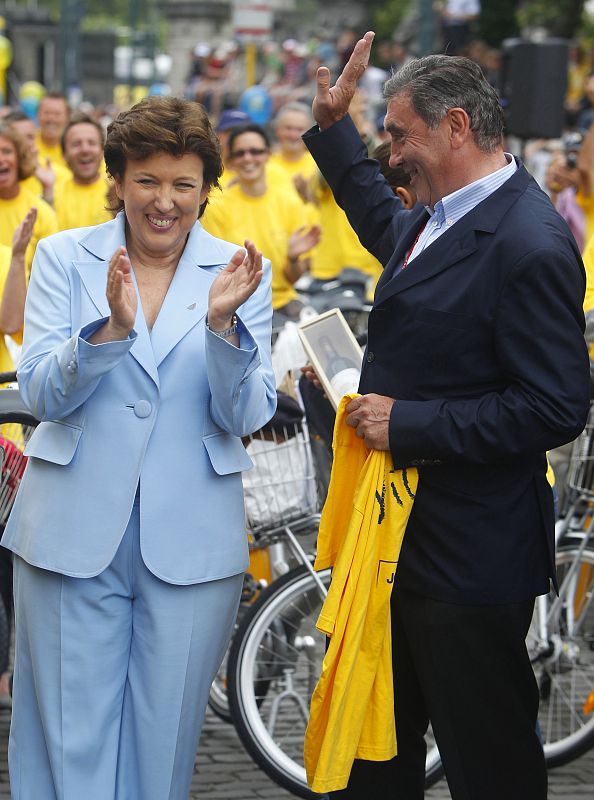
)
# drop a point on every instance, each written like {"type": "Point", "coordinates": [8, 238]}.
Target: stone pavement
{"type": "Point", "coordinates": [225, 772]}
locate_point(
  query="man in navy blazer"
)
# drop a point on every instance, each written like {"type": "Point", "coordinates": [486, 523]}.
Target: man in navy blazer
{"type": "Point", "coordinates": [475, 366]}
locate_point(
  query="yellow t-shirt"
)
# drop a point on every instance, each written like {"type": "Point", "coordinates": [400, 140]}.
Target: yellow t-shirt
{"type": "Point", "coordinates": [268, 221]}
{"type": "Point", "coordinates": [12, 213]}
{"type": "Point", "coordinates": [339, 246]}
{"type": "Point", "coordinates": [77, 205]}
{"type": "Point", "coordinates": [53, 152]}
{"type": "Point", "coordinates": [304, 166]}
{"type": "Point", "coordinates": [34, 185]}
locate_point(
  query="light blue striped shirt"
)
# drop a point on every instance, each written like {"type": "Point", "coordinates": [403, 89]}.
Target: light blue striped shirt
{"type": "Point", "coordinates": [453, 206]}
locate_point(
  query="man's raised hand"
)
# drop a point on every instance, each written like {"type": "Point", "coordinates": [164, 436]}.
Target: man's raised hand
{"type": "Point", "coordinates": [332, 103]}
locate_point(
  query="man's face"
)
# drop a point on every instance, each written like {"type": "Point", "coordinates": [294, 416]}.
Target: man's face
{"type": "Point", "coordinates": [52, 116]}
{"type": "Point", "coordinates": [421, 151]}
{"type": "Point", "coordinates": [26, 128]}
{"type": "Point", "coordinates": [288, 132]}
{"type": "Point", "coordinates": [83, 151]}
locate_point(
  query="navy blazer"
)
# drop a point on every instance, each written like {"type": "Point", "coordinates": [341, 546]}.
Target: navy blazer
{"type": "Point", "coordinates": [480, 340]}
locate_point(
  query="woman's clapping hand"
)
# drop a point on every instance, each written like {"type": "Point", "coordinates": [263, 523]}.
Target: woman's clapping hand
{"type": "Point", "coordinates": [233, 285]}
{"type": "Point", "coordinates": [121, 296]}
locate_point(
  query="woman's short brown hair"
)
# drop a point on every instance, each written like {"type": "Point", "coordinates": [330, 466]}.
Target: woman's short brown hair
{"type": "Point", "coordinates": [25, 162]}
{"type": "Point", "coordinates": [163, 125]}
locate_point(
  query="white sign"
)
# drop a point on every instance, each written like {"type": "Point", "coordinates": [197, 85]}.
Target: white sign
{"type": "Point", "coordinates": [252, 21]}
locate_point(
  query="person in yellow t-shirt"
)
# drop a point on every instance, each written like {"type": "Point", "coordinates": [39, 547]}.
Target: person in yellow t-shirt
{"type": "Point", "coordinates": [46, 174]}
{"type": "Point", "coordinates": [13, 287]}
{"type": "Point", "coordinates": [15, 201]}
{"type": "Point", "coordinates": [81, 199]}
{"type": "Point", "coordinates": [232, 118]}
{"type": "Point", "coordinates": [273, 218]}
{"type": "Point", "coordinates": [291, 157]}
{"type": "Point", "coordinates": [52, 115]}
{"type": "Point", "coordinates": [342, 248]}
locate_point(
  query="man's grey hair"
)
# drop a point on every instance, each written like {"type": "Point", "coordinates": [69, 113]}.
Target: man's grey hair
{"type": "Point", "coordinates": [303, 108]}
{"type": "Point", "coordinates": [437, 83]}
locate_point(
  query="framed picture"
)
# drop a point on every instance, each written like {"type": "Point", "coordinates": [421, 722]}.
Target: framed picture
{"type": "Point", "coordinates": [334, 352]}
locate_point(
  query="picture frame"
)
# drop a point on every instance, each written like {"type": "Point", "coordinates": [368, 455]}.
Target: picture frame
{"type": "Point", "coordinates": [334, 353]}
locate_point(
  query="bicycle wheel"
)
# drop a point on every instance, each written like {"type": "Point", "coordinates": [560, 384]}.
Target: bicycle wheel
{"type": "Point", "coordinates": [217, 695]}
{"type": "Point", "coordinates": [274, 664]}
{"type": "Point", "coordinates": [564, 665]}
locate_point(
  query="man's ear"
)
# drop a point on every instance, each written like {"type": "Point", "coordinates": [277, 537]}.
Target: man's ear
{"type": "Point", "coordinates": [459, 126]}
{"type": "Point", "coordinates": [407, 197]}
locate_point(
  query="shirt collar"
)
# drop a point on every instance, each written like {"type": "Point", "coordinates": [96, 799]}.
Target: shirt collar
{"type": "Point", "coordinates": [453, 206]}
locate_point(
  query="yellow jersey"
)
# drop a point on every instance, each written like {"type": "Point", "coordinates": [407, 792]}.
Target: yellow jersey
{"type": "Point", "coordinates": [361, 532]}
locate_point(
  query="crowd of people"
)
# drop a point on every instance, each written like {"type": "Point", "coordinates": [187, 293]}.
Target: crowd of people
{"type": "Point", "coordinates": [123, 336]}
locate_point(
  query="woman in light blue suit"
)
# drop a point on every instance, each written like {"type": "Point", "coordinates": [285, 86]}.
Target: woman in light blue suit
{"type": "Point", "coordinates": [146, 357]}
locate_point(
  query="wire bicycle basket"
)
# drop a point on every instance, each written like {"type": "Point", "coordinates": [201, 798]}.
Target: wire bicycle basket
{"type": "Point", "coordinates": [282, 485]}
{"type": "Point", "coordinates": [581, 465]}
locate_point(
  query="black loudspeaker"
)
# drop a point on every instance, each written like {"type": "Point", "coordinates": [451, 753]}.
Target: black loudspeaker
{"type": "Point", "coordinates": [533, 86]}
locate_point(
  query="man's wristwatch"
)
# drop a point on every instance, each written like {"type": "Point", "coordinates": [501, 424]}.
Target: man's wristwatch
{"type": "Point", "coordinates": [228, 331]}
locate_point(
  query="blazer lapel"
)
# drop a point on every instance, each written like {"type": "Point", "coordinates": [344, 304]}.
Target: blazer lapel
{"type": "Point", "coordinates": [102, 242]}
{"type": "Point", "coordinates": [451, 247]}
{"type": "Point", "coordinates": [186, 301]}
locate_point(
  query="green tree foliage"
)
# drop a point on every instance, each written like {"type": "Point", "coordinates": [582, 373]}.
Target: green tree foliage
{"type": "Point", "coordinates": [558, 17]}
{"type": "Point", "coordinates": [386, 15]}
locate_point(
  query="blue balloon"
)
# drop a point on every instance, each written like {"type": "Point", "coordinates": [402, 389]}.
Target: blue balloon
{"type": "Point", "coordinates": [159, 90]}
{"type": "Point", "coordinates": [256, 102]}
{"type": "Point", "coordinates": [29, 106]}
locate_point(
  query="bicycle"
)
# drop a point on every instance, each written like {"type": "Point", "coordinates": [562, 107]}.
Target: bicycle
{"type": "Point", "coordinates": [276, 653]}
{"type": "Point", "coordinates": [561, 638]}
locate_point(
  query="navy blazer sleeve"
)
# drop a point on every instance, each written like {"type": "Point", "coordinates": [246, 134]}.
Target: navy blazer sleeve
{"type": "Point", "coordinates": [373, 210]}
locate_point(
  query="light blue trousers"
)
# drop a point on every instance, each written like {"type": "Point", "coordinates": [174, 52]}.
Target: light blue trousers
{"type": "Point", "coordinates": [111, 679]}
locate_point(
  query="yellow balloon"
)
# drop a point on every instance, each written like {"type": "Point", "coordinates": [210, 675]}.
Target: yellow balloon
{"type": "Point", "coordinates": [5, 52]}
{"type": "Point", "coordinates": [31, 89]}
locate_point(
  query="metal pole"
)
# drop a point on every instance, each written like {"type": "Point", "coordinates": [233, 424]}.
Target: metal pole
{"type": "Point", "coordinates": [426, 27]}
{"type": "Point", "coordinates": [71, 13]}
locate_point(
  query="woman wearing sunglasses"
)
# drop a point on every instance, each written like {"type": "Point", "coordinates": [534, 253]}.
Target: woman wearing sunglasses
{"type": "Point", "coordinates": [270, 210]}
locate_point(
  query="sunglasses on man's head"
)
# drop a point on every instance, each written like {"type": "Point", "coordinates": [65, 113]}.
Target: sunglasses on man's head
{"type": "Point", "coordinates": [249, 151]}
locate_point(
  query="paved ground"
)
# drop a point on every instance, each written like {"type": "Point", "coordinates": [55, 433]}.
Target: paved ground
{"type": "Point", "coordinates": [225, 772]}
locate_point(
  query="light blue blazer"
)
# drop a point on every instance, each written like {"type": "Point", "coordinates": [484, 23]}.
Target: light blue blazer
{"type": "Point", "coordinates": [165, 409]}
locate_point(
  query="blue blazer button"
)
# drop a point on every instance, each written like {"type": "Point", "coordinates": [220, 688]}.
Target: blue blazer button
{"type": "Point", "coordinates": [142, 408]}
